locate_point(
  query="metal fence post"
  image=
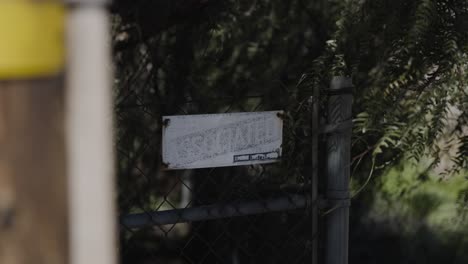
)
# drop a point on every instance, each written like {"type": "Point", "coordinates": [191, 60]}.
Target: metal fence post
{"type": "Point", "coordinates": [314, 180]}
{"type": "Point", "coordinates": [338, 170]}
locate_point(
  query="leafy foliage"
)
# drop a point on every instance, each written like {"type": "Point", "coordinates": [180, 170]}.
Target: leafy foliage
{"type": "Point", "coordinates": [409, 63]}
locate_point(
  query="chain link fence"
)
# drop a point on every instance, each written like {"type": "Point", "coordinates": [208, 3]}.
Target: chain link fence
{"type": "Point", "coordinates": [245, 214]}
{"type": "Point", "coordinates": [249, 214]}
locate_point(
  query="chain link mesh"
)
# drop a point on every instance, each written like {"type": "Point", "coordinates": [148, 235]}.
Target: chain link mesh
{"type": "Point", "coordinates": [145, 93]}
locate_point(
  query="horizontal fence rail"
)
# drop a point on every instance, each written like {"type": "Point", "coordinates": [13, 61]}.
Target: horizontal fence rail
{"type": "Point", "coordinates": [217, 211]}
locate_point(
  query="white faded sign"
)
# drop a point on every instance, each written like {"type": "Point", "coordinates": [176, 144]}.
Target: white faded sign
{"type": "Point", "coordinates": [218, 140]}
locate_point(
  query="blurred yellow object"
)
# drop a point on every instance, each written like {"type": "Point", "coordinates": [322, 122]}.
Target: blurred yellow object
{"type": "Point", "coordinates": [31, 38]}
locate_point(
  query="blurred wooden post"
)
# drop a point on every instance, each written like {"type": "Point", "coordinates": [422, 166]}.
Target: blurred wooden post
{"type": "Point", "coordinates": [338, 170]}
{"type": "Point", "coordinates": [89, 134]}
{"type": "Point", "coordinates": [33, 196]}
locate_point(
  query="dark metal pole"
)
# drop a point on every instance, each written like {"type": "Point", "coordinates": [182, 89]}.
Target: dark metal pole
{"type": "Point", "coordinates": [338, 171]}
{"type": "Point", "coordinates": [314, 179]}
{"type": "Point", "coordinates": [216, 211]}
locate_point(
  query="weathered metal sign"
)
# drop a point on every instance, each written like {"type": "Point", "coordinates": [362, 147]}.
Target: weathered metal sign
{"type": "Point", "coordinates": [218, 140]}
